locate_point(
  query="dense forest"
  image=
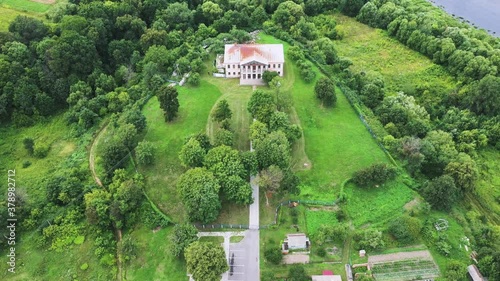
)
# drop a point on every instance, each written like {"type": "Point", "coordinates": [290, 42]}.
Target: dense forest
{"type": "Point", "coordinates": [103, 60]}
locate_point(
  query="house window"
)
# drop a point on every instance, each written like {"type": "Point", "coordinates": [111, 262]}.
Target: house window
{"type": "Point", "coordinates": [244, 76]}
{"type": "Point", "coordinates": [274, 66]}
{"type": "Point", "coordinates": [253, 75]}
{"type": "Point", "coordinates": [279, 73]}
{"type": "Point", "coordinates": [258, 76]}
{"type": "Point", "coordinates": [234, 73]}
{"type": "Point", "coordinates": [279, 65]}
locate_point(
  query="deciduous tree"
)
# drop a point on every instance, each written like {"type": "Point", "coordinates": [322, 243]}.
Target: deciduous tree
{"type": "Point", "coordinates": [222, 111]}
{"type": "Point", "coordinates": [182, 236]}
{"type": "Point", "coordinates": [206, 261]}
{"type": "Point", "coordinates": [192, 154]}
{"type": "Point", "coordinates": [199, 192]}
{"type": "Point", "coordinates": [441, 192]}
{"type": "Point", "coordinates": [167, 96]}
{"type": "Point", "coordinates": [325, 91]}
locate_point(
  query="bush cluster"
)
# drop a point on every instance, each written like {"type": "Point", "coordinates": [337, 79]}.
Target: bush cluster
{"type": "Point", "coordinates": [374, 175]}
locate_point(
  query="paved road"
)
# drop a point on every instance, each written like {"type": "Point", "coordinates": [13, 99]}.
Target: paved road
{"type": "Point", "coordinates": [252, 237]}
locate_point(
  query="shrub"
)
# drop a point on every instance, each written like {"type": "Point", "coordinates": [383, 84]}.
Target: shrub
{"type": "Point", "coordinates": [41, 150]}
{"type": "Point", "coordinates": [84, 266]}
{"type": "Point", "coordinates": [273, 255]}
{"type": "Point", "coordinates": [370, 239]}
{"type": "Point", "coordinates": [194, 79]}
{"type": "Point", "coordinates": [29, 145]}
{"type": "Point", "coordinates": [268, 76]}
{"type": "Point", "coordinates": [145, 153]}
{"type": "Point", "coordinates": [321, 252]}
{"type": "Point", "coordinates": [26, 164]}
{"type": "Point", "coordinates": [374, 175]}
{"type": "Point", "coordinates": [224, 137]}
{"type": "Point", "coordinates": [405, 229]}
{"type": "Point", "coordinates": [79, 240]}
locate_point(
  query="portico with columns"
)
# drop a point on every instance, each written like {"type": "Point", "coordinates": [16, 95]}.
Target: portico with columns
{"type": "Point", "coordinates": [248, 62]}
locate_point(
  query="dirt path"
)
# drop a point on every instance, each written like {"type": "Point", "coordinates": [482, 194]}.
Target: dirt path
{"type": "Point", "coordinates": [92, 154]}
{"type": "Point", "coordinates": [118, 232]}
{"type": "Point", "coordinates": [44, 1]}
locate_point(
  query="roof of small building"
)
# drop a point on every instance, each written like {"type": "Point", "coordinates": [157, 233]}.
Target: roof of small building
{"type": "Point", "coordinates": [327, 272]}
{"type": "Point", "coordinates": [298, 240]}
{"type": "Point", "coordinates": [474, 273]}
{"type": "Point", "coordinates": [244, 53]}
{"type": "Point", "coordinates": [326, 278]}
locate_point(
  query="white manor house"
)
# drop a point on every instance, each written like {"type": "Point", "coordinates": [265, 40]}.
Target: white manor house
{"type": "Point", "coordinates": [249, 61]}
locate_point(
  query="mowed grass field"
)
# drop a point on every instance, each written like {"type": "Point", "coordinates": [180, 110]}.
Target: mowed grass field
{"type": "Point", "coordinates": [402, 68]}
{"type": "Point", "coordinates": [336, 142]}
{"type": "Point", "coordinates": [168, 138]}
{"type": "Point", "coordinates": [237, 96]}
{"type": "Point", "coordinates": [488, 183]}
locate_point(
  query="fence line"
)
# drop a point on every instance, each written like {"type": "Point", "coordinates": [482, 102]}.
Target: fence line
{"type": "Point", "coordinates": [305, 202]}
{"type": "Point", "coordinates": [221, 226]}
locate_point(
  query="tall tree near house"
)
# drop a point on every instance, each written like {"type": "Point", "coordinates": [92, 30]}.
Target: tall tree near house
{"type": "Point", "coordinates": [167, 96]}
{"type": "Point", "coordinates": [222, 111]}
{"type": "Point", "coordinates": [325, 91]}
{"type": "Point", "coordinates": [270, 180]}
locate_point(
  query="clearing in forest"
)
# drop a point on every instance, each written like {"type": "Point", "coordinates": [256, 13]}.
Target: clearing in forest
{"type": "Point", "coordinates": [403, 69]}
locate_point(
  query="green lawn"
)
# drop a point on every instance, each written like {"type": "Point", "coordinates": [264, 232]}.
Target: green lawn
{"type": "Point", "coordinates": [336, 142]}
{"type": "Point", "coordinates": [315, 218]}
{"type": "Point", "coordinates": [237, 96]}
{"type": "Point", "coordinates": [488, 183]}
{"type": "Point", "coordinates": [25, 5]}
{"type": "Point", "coordinates": [375, 206]}
{"type": "Point", "coordinates": [52, 132]}
{"type": "Point", "coordinates": [153, 261]}
{"type": "Point", "coordinates": [403, 69]}
{"type": "Point", "coordinates": [168, 138]}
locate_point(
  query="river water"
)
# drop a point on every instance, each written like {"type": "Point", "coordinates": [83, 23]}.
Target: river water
{"type": "Point", "coordinates": [482, 13]}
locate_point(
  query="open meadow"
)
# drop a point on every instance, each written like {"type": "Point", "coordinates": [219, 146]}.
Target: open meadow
{"type": "Point", "coordinates": [372, 50]}
{"type": "Point", "coordinates": [10, 9]}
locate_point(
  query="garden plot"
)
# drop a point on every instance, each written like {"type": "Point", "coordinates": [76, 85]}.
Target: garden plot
{"type": "Point", "coordinates": [404, 266]}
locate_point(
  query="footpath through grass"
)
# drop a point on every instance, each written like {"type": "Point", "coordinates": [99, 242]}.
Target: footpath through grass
{"type": "Point", "coordinates": [168, 138]}
{"type": "Point", "coordinates": [336, 142]}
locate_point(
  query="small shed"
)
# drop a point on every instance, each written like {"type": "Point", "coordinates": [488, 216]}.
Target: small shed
{"type": "Point", "coordinates": [362, 253]}
{"type": "Point", "coordinates": [297, 241]}
{"type": "Point", "coordinates": [474, 273]}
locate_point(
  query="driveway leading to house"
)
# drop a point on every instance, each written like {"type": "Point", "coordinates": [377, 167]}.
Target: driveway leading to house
{"type": "Point", "coordinates": [252, 237]}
